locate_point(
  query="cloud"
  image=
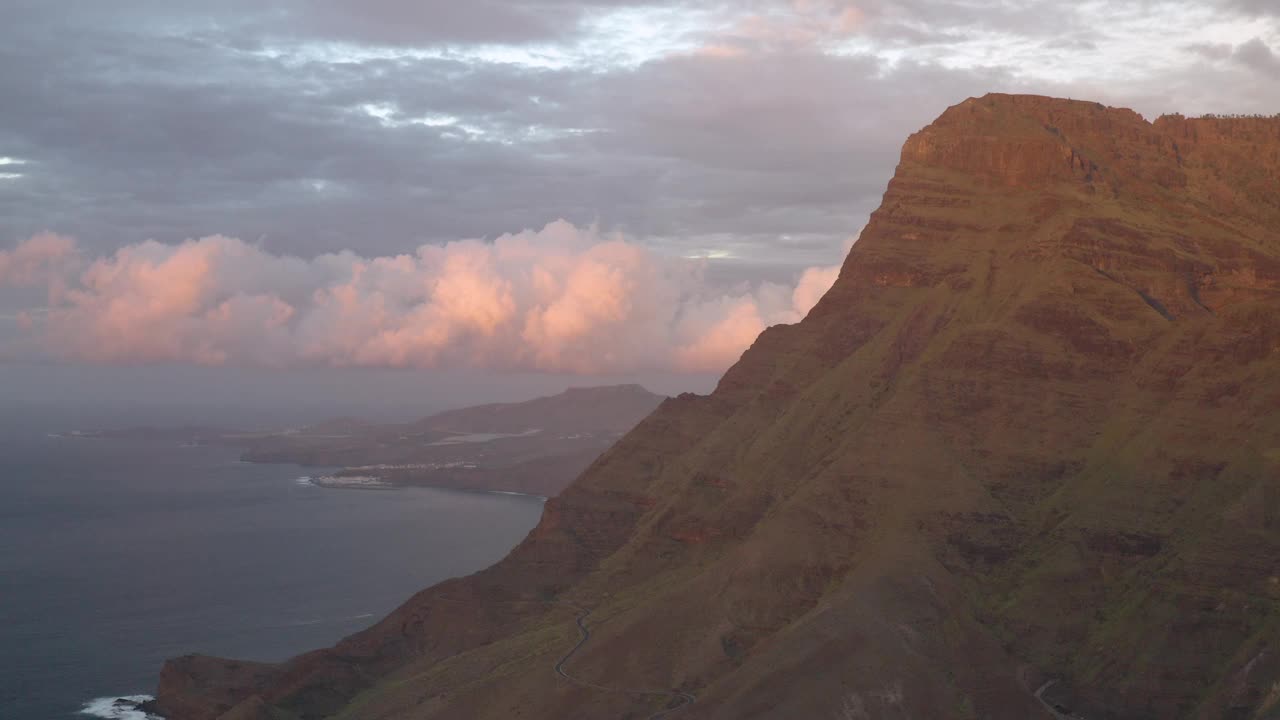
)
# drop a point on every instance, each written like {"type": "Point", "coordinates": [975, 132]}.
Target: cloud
{"type": "Point", "coordinates": [561, 299]}
{"type": "Point", "coordinates": [1254, 7]}
{"type": "Point", "coordinates": [42, 259]}
{"type": "Point", "coordinates": [1257, 54]}
{"type": "Point", "coordinates": [748, 122]}
{"type": "Point", "coordinates": [1212, 51]}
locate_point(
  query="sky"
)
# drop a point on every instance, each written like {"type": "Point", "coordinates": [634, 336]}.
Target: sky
{"type": "Point", "coordinates": [219, 198]}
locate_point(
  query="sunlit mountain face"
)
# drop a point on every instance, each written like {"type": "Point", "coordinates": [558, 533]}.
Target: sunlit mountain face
{"type": "Point", "coordinates": [1029, 432]}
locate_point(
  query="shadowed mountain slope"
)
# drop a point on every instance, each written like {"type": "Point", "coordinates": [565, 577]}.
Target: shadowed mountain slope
{"type": "Point", "coordinates": [1031, 434]}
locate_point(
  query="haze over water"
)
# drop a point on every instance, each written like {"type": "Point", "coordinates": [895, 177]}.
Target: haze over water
{"type": "Point", "coordinates": [115, 555]}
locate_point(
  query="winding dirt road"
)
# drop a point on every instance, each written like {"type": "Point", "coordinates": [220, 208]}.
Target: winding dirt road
{"type": "Point", "coordinates": [685, 699]}
{"type": "Point", "coordinates": [1039, 694]}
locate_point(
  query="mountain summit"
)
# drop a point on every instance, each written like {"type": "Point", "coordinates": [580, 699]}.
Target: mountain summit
{"type": "Point", "coordinates": [1023, 459]}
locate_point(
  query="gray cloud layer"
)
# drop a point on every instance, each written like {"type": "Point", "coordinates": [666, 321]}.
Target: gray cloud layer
{"type": "Point", "coordinates": [758, 132]}
{"type": "Point", "coordinates": [375, 126]}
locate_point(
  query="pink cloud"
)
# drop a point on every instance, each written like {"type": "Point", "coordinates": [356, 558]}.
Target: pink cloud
{"type": "Point", "coordinates": [41, 260]}
{"type": "Point", "coordinates": [792, 25]}
{"type": "Point", "coordinates": [562, 299]}
{"type": "Point", "coordinates": [813, 284]}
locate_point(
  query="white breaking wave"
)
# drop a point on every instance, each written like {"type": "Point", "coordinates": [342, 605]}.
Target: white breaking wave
{"type": "Point", "coordinates": [321, 621]}
{"type": "Point", "coordinates": [543, 498]}
{"type": "Point", "coordinates": [483, 437]}
{"type": "Point", "coordinates": [118, 708]}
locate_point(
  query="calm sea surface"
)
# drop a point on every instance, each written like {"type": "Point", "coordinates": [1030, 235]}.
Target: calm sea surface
{"type": "Point", "coordinates": [115, 555]}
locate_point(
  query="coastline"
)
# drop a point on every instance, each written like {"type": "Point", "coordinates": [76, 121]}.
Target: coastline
{"type": "Point", "coordinates": [543, 498]}
{"type": "Point", "coordinates": [375, 482]}
{"type": "Point", "coordinates": [352, 482]}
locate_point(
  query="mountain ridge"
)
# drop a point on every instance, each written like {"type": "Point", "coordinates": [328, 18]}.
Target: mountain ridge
{"type": "Point", "coordinates": [1030, 435]}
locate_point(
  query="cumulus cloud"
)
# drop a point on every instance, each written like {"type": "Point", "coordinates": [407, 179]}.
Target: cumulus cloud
{"type": "Point", "coordinates": [43, 260]}
{"type": "Point", "coordinates": [36, 260]}
{"type": "Point", "coordinates": [1258, 55]}
{"type": "Point", "coordinates": [561, 299]}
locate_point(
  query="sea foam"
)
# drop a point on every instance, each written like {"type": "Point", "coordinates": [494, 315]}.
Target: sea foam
{"type": "Point", "coordinates": [543, 498]}
{"type": "Point", "coordinates": [118, 708]}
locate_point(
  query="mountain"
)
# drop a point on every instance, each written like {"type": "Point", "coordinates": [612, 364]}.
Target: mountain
{"type": "Point", "coordinates": [535, 447]}
{"type": "Point", "coordinates": [605, 409]}
{"type": "Point", "coordinates": [1022, 461]}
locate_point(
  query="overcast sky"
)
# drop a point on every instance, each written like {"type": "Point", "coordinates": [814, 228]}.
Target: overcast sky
{"type": "Point", "coordinates": [755, 134]}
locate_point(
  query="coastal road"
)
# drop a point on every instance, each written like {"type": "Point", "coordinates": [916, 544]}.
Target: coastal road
{"type": "Point", "coordinates": [1052, 709]}
{"type": "Point", "coordinates": [584, 634]}
{"type": "Point", "coordinates": [685, 699]}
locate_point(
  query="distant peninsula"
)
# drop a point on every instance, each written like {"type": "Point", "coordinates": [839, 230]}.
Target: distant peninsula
{"type": "Point", "coordinates": [536, 447]}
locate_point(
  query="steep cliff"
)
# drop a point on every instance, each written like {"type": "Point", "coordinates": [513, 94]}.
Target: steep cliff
{"type": "Point", "coordinates": [1030, 439]}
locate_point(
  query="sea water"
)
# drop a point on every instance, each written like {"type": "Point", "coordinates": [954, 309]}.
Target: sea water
{"type": "Point", "coordinates": [115, 555]}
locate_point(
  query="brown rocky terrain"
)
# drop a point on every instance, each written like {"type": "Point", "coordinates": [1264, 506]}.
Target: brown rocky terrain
{"type": "Point", "coordinates": [1031, 435]}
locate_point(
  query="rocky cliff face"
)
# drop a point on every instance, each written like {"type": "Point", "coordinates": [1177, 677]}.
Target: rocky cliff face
{"type": "Point", "coordinates": [1032, 434]}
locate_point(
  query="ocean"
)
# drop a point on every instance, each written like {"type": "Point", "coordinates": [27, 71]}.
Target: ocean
{"type": "Point", "coordinates": [115, 555]}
